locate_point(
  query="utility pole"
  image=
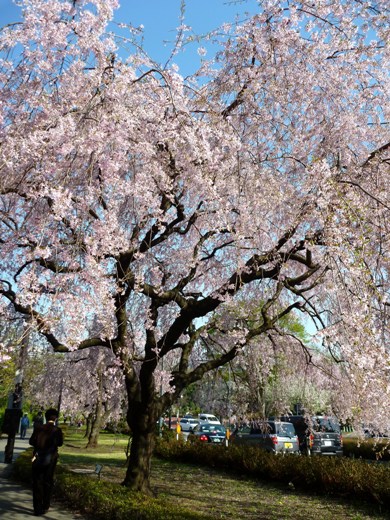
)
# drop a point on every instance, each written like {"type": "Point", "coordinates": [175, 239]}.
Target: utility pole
{"type": "Point", "coordinates": [14, 412]}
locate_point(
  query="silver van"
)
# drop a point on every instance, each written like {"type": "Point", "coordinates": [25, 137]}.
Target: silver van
{"type": "Point", "coordinates": [271, 436]}
{"type": "Point", "coordinates": [208, 418]}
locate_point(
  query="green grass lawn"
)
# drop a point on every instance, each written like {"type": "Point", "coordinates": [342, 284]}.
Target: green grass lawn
{"type": "Point", "coordinates": [211, 493]}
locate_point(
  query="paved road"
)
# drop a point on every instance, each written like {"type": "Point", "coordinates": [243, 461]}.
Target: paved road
{"type": "Point", "coordinates": [16, 499]}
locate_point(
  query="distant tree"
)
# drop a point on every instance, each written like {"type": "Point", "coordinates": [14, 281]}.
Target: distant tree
{"type": "Point", "coordinates": [11, 337]}
{"type": "Point", "coordinates": [271, 373]}
{"type": "Point", "coordinates": [88, 384]}
{"type": "Point", "coordinates": [135, 203]}
{"type": "Point", "coordinates": [7, 376]}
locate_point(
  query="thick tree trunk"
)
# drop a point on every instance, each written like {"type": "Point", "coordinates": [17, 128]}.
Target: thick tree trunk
{"type": "Point", "coordinates": [138, 470]}
{"type": "Point", "coordinates": [94, 433]}
{"type": "Point", "coordinates": [142, 415]}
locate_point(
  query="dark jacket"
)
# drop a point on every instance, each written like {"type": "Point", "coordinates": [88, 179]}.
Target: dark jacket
{"type": "Point", "coordinates": [46, 439]}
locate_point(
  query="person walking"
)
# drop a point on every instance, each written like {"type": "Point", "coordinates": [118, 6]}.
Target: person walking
{"type": "Point", "coordinates": [24, 424]}
{"type": "Point", "coordinates": [38, 420]}
{"type": "Point", "coordinates": [46, 440]}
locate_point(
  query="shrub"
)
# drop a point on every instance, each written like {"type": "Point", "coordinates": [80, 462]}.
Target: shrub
{"type": "Point", "coordinates": [328, 475]}
{"type": "Point", "coordinates": [21, 469]}
{"type": "Point", "coordinates": [104, 500]}
{"type": "Point", "coordinates": [369, 449]}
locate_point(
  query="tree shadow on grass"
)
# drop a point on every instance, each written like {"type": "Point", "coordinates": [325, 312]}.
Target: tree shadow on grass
{"type": "Point", "coordinates": [226, 494]}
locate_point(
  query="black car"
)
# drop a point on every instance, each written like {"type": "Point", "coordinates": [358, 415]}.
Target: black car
{"type": "Point", "coordinates": [205, 432]}
{"type": "Point", "coordinates": [318, 435]}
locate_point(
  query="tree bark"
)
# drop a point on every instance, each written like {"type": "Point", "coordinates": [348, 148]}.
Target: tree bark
{"type": "Point", "coordinates": [97, 417]}
{"type": "Point", "coordinates": [94, 433]}
{"type": "Point", "coordinates": [88, 423]}
{"type": "Point", "coordinates": [138, 471]}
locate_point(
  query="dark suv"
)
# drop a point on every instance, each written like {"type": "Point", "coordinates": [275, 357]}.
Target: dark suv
{"type": "Point", "coordinates": [318, 435]}
{"type": "Point", "coordinates": [271, 436]}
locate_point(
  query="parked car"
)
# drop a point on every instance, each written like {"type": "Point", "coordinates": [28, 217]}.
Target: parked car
{"type": "Point", "coordinates": [271, 436]}
{"type": "Point", "coordinates": [205, 432]}
{"type": "Point", "coordinates": [318, 435]}
{"type": "Point", "coordinates": [208, 418]}
{"type": "Point", "coordinates": [187, 424]}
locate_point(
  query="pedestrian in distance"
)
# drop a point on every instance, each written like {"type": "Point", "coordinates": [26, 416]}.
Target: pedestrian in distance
{"type": "Point", "coordinates": [38, 420]}
{"type": "Point", "coordinates": [24, 424]}
{"type": "Point", "coordinates": [46, 440]}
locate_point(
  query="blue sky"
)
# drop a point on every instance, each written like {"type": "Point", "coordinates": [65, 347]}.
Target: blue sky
{"type": "Point", "coordinates": [160, 19]}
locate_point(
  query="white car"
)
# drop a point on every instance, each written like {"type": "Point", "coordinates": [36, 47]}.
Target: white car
{"type": "Point", "coordinates": [208, 418]}
{"type": "Point", "coordinates": [187, 424]}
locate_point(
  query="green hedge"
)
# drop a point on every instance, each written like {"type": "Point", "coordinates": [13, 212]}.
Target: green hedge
{"type": "Point", "coordinates": [327, 475]}
{"type": "Point", "coordinates": [104, 500]}
{"type": "Point", "coordinates": [369, 449]}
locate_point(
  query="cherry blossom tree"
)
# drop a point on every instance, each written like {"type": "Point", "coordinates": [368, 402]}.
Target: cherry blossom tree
{"type": "Point", "coordinates": [135, 202]}
{"type": "Point", "coordinates": [88, 384]}
{"type": "Point", "coordinates": [275, 377]}
{"type": "Point", "coordinates": [273, 372]}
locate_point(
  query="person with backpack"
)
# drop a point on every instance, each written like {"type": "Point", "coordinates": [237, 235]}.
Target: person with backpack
{"type": "Point", "coordinates": [46, 440]}
{"type": "Point", "coordinates": [24, 424]}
